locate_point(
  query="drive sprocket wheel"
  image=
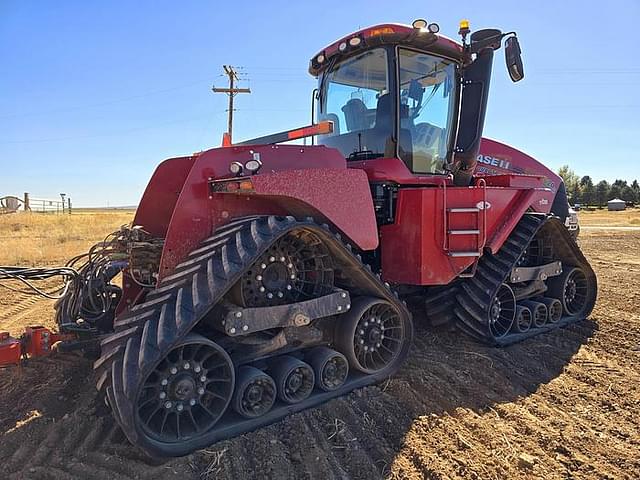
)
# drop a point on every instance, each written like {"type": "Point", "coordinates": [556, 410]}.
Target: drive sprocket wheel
{"type": "Point", "coordinates": [539, 251]}
{"type": "Point", "coordinates": [373, 335]}
{"type": "Point", "coordinates": [187, 392]}
{"type": "Point", "coordinates": [297, 267]}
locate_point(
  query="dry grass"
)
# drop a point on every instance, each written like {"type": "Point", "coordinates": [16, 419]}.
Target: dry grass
{"type": "Point", "coordinates": [33, 239]}
{"type": "Point", "coordinates": [626, 218]}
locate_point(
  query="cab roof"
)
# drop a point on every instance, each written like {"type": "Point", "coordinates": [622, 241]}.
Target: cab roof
{"type": "Point", "coordinates": [386, 34]}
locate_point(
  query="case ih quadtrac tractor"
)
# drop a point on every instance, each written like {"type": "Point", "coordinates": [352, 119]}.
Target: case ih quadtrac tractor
{"type": "Point", "coordinates": [264, 278]}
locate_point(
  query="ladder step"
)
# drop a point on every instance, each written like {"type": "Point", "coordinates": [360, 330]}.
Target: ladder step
{"type": "Point", "coordinates": [463, 210]}
{"type": "Point", "coordinates": [464, 254]}
{"type": "Point", "coordinates": [464, 232]}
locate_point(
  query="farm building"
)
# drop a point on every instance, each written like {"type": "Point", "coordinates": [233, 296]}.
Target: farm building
{"type": "Point", "coordinates": [616, 204]}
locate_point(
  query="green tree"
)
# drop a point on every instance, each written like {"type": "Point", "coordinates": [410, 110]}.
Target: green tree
{"type": "Point", "coordinates": [569, 178]}
{"type": "Point", "coordinates": [629, 194]}
{"type": "Point", "coordinates": [614, 192]}
{"type": "Point", "coordinates": [636, 188]}
{"type": "Point", "coordinates": [602, 192]}
{"type": "Point", "coordinates": [576, 194]}
{"type": "Point", "coordinates": [587, 189]}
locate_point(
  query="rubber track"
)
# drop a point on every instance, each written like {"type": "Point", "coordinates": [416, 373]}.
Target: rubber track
{"type": "Point", "coordinates": [146, 333]}
{"type": "Point", "coordinates": [474, 295]}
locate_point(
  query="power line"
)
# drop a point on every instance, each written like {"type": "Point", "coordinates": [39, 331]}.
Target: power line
{"type": "Point", "coordinates": [232, 91]}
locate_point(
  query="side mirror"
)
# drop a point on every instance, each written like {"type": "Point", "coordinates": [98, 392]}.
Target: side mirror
{"type": "Point", "coordinates": [513, 57]}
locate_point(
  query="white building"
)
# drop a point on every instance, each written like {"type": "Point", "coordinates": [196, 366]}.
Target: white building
{"type": "Point", "coordinates": [616, 204]}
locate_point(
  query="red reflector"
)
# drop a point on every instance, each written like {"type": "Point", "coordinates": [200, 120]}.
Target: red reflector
{"type": "Point", "coordinates": [232, 186]}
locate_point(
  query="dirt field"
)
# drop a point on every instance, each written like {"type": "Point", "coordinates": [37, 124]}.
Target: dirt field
{"type": "Point", "coordinates": [625, 218]}
{"type": "Point", "coordinates": [562, 405]}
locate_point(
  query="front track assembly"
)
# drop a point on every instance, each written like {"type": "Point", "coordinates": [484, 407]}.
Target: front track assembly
{"type": "Point", "coordinates": [538, 281]}
{"type": "Point", "coordinates": [183, 370]}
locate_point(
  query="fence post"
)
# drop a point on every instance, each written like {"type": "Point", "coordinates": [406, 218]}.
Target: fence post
{"type": "Point", "coordinates": [69, 205]}
{"type": "Point", "coordinates": [26, 202]}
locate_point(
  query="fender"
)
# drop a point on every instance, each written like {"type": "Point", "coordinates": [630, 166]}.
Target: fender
{"type": "Point", "coordinates": [333, 194]}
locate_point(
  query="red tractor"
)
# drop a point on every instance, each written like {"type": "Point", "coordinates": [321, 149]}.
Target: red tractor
{"type": "Point", "coordinates": [263, 279]}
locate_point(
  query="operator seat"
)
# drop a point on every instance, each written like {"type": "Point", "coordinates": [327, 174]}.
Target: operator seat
{"type": "Point", "coordinates": [384, 125]}
{"type": "Point", "coordinates": [355, 115]}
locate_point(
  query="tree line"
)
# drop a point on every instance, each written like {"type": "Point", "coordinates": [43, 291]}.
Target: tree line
{"type": "Point", "coordinates": [582, 190]}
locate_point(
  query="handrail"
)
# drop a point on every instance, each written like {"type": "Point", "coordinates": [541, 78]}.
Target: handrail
{"type": "Point", "coordinates": [445, 214]}
{"type": "Point", "coordinates": [483, 182]}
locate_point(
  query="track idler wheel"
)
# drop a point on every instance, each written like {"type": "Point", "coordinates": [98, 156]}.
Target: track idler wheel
{"type": "Point", "coordinates": [502, 311]}
{"type": "Point", "coordinates": [539, 312]}
{"type": "Point", "coordinates": [255, 392]}
{"type": "Point", "coordinates": [523, 320]}
{"type": "Point", "coordinates": [330, 368]}
{"type": "Point", "coordinates": [373, 335]}
{"type": "Point", "coordinates": [187, 393]}
{"type": "Point", "coordinates": [572, 289]}
{"type": "Point", "coordinates": [294, 379]}
{"type": "Point", "coordinates": [554, 309]}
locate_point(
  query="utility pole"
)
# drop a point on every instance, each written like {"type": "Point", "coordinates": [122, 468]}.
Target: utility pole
{"type": "Point", "coordinates": [232, 92]}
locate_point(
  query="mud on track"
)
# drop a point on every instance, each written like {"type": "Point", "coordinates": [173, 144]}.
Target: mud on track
{"type": "Point", "coordinates": [561, 405]}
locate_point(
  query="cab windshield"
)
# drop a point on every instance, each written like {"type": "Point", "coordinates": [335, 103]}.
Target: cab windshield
{"type": "Point", "coordinates": [356, 96]}
{"type": "Point", "coordinates": [427, 110]}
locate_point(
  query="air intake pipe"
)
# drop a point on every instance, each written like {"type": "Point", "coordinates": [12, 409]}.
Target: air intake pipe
{"type": "Point", "coordinates": [476, 77]}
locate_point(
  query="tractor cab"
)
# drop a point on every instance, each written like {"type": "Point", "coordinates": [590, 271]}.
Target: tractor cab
{"type": "Point", "coordinates": [406, 93]}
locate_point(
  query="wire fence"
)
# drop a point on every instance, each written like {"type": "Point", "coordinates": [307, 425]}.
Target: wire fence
{"type": "Point", "coordinates": [13, 204]}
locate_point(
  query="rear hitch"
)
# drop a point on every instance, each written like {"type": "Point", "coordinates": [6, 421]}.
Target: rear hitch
{"type": "Point", "coordinates": [36, 341]}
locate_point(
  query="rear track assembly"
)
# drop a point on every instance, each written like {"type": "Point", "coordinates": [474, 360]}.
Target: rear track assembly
{"type": "Point", "coordinates": [153, 354]}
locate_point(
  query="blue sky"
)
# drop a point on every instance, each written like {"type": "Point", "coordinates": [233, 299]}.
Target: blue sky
{"type": "Point", "coordinates": [93, 95]}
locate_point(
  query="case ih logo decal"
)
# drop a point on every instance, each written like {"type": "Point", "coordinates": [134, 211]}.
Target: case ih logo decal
{"type": "Point", "coordinates": [494, 162]}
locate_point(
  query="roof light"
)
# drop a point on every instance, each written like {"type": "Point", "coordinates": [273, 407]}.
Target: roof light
{"type": "Point", "coordinates": [342, 47]}
{"type": "Point", "coordinates": [320, 58]}
{"type": "Point", "coordinates": [380, 31]}
{"type": "Point", "coordinates": [419, 23]}
{"type": "Point", "coordinates": [236, 168]}
{"type": "Point", "coordinates": [355, 41]}
{"type": "Point", "coordinates": [434, 27]}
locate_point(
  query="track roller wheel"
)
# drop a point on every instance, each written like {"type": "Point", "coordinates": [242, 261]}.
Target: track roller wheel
{"type": "Point", "coordinates": [523, 320]}
{"type": "Point", "coordinates": [294, 379]}
{"type": "Point", "coordinates": [554, 309]}
{"type": "Point", "coordinates": [330, 368]}
{"type": "Point", "coordinates": [255, 392]}
{"type": "Point", "coordinates": [186, 394]}
{"type": "Point", "coordinates": [373, 335]}
{"type": "Point", "coordinates": [502, 311]}
{"type": "Point", "coordinates": [572, 289]}
{"type": "Point", "coordinates": [538, 312]}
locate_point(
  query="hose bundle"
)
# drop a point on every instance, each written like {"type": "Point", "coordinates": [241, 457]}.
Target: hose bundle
{"type": "Point", "coordinates": [86, 298]}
